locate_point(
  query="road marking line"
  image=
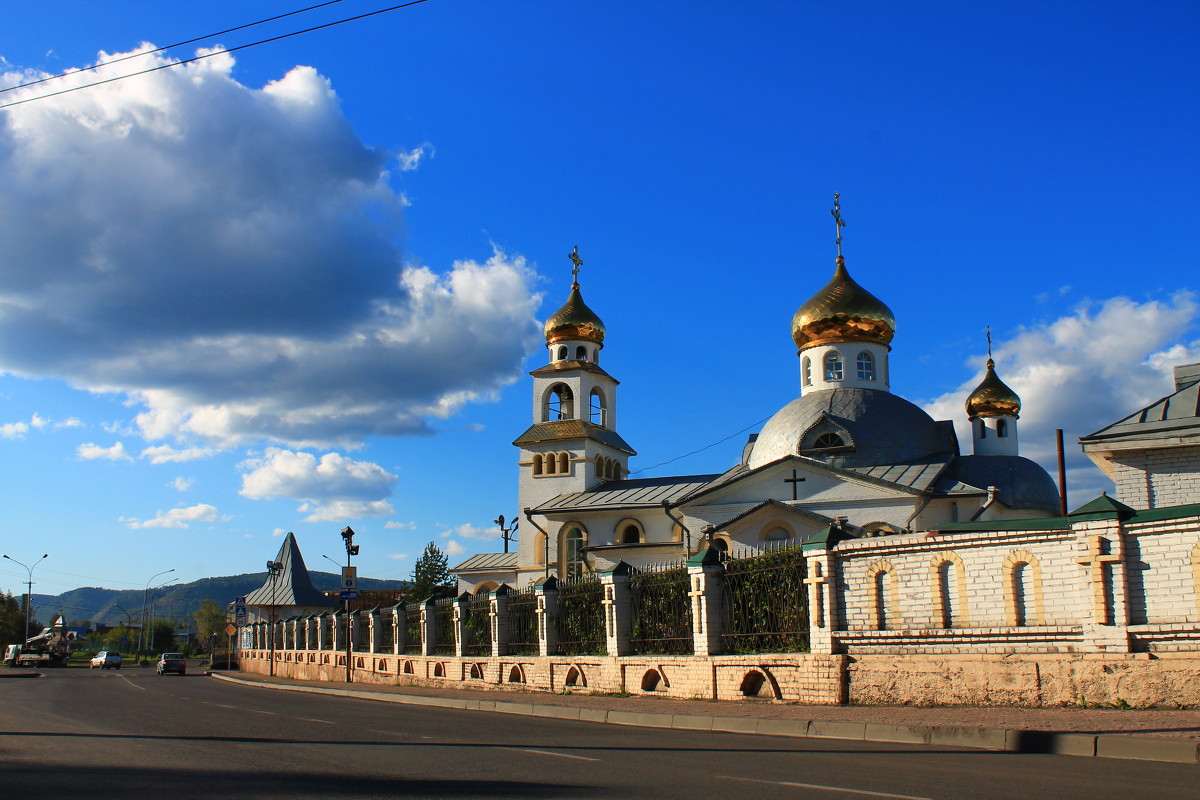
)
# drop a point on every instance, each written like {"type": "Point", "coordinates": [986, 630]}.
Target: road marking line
{"type": "Point", "coordinates": [256, 711]}
{"type": "Point", "coordinates": [222, 705]}
{"type": "Point", "coordinates": [549, 753]}
{"type": "Point", "coordinates": [818, 786]}
{"type": "Point", "coordinates": [131, 683]}
{"type": "Point", "coordinates": [309, 719]}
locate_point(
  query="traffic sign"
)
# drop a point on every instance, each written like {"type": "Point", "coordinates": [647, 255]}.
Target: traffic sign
{"type": "Point", "coordinates": [239, 618]}
{"type": "Point", "coordinates": [349, 577]}
{"type": "Point", "coordinates": [349, 594]}
{"type": "Point", "coordinates": [231, 630]}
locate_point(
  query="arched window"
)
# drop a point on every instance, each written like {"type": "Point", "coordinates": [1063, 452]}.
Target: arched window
{"type": "Point", "coordinates": [982, 428]}
{"type": "Point", "coordinates": [602, 468]}
{"type": "Point", "coordinates": [833, 366]}
{"type": "Point", "coordinates": [827, 441]}
{"type": "Point", "coordinates": [559, 404]}
{"type": "Point", "coordinates": [866, 366]}
{"type": "Point", "coordinates": [884, 595]}
{"type": "Point", "coordinates": [1002, 427]}
{"type": "Point", "coordinates": [630, 532]}
{"type": "Point", "coordinates": [1020, 590]}
{"type": "Point", "coordinates": [807, 369]}
{"type": "Point", "coordinates": [950, 589]}
{"type": "Point", "coordinates": [1023, 589]}
{"type": "Point", "coordinates": [537, 464]}
{"type": "Point", "coordinates": [599, 413]}
{"type": "Point", "coordinates": [581, 353]}
{"type": "Point", "coordinates": [562, 354]}
{"type": "Point", "coordinates": [776, 534]}
{"type": "Point", "coordinates": [564, 465]}
{"type": "Point", "coordinates": [572, 554]}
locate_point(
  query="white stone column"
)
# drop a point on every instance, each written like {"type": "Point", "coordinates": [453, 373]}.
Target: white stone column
{"type": "Point", "coordinates": [821, 581]}
{"type": "Point", "coordinates": [1100, 554]}
{"type": "Point", "coordinates": [498, 614]}
{"type": "Point", "coordinates": [320, 621]}
{"type": "Point", "coordinates": [705, 575]}
{"type": "Point", "coordinates": [400, 628]}
{"type": "Point", "coordinates": [337, 643]}
{"type": "Point", "coordinates": [373, 622]}
{"type": "Point", "coordinates": [547, 613]}
{"type": "Point", "coordinates": [428, 627]}
{"type": "Point", "coordinates": [618, 616]}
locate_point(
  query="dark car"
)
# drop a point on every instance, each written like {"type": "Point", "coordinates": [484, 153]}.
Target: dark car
{"type": "Point", "coordinates": [172, 662]}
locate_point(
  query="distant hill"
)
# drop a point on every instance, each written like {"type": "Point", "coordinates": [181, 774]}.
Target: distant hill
{"type": "Point", "coordinates": [175, 602]}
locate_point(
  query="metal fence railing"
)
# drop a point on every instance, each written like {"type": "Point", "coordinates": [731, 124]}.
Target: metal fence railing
{"type": "Point", "coordinates": [581, 618]}
{"type": "Point", "coordinates": [443, 626]}
{"type": "Point", "coordinates": [477, 630]}
{"type": "Point", "coordinates": [522, 623]}
{"type": "Point", "coordinates": [412, 628]}
{"type": "Point", "coordinates": [764, 603]}
{"type": "Point", "coordinates": [661, 611]}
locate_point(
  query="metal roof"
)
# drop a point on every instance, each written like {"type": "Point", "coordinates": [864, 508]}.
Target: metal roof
{"type": "Point", "coordinates": [803, 513]}
{"type": "Point", "coordinates": [637, 493]}
{"type": "Point", "coordinates": [573, 429]}
{"type": "Point", "coordinates": [487, 562]}
{"type": "Point", "coordinates": [293, 586]}
{"type": "Point", "coordinates": [1165, 418]}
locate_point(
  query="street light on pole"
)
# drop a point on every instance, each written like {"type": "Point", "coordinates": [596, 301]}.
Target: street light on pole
{"type": "Point", "coordinates": [351, 550]}
{"type": "Point", "coordinates": [509, 533]}
{"type": "Point", "coordinates": [28, 594]}
{"type": "Point", "coordinates": [145, 597]}
{"type": "Point", "coordinates": [274, 568]}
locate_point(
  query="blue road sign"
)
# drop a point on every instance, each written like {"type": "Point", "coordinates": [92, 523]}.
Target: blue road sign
{"type": "Point", "coordinates": [349, 594]}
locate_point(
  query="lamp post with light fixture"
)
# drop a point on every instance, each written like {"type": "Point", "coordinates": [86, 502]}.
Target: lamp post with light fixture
{"type": "Point", "coordinates": [29, 593]}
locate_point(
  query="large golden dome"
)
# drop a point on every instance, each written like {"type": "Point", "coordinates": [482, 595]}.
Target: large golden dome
{"type": "Point", "coordinates": [842, 312]}
{"type": "Point", "coordinates": [992, 398]}
{"type": "Point", "coordinates": [574, 321]}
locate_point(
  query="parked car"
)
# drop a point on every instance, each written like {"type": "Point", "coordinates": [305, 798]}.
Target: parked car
{"type": "Point", "coordinates": [172, 662]}
{"type": "Point", "coordinates": [106, 659]}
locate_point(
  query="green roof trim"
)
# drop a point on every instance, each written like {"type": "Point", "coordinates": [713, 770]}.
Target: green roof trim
{"type": "Point", "coordinates": [1031, 524]}
{"type": "Point", "coordinates": [1103, 507]}
{"type": "Point", "coordinates": [1166, 512]}
{"type": "Point", "coordinates": [546, 584]}
{"type": "Point", "coordinates": [619, 568]}
{"type": "Point", "coordinates": [825, 539]}
{"type": "Point", "coordinates": [707, 557]}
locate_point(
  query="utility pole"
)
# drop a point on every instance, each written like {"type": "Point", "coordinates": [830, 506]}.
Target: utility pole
{"type": "Point", "coordinates": [351, 550]}
{"type": "Point", "coordinates": [145, 597]}
{"type": "Point", "coordinates": [29, 593]}
{"type": "Point", "coordinates": [274, 568]}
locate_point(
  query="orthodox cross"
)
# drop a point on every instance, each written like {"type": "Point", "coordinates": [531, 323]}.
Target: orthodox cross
{"type": "Point", "coordinates": [577, 261]}
{"type": "Point", "coordinates": [795, 482]}
{"type": "Point", "coordinates": [838, 222]}
{"type": "Point", "coordinates": [1096, 560]}
{"type": "Point", "coordinates": [989, 338]}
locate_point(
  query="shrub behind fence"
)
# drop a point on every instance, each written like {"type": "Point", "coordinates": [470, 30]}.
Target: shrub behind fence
{"type": "Point", "coordinates": [764, 604]}
{"type": "Point", "coordinates": [522, 624]}
{"type": "Point", "coordinates": [443, 626]}
{"type": "Point", "coordinates": [477, 632]}
{"type": "Point", "coordinates": [412, 628]}
{"type": "Point", "coordinates": [581, 618]}
{"type": "Point", "coordinates": [661, 611]}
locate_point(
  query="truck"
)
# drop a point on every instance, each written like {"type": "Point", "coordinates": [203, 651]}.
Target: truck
{"type": "Point", "coordinates": [48, 649]}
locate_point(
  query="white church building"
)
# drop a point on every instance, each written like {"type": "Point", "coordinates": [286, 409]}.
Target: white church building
{"type": "Point", "coordinates": [846, 458]}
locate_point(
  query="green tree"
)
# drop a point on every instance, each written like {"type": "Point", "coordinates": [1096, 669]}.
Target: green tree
{"type": "Point", "coordinates": [210, 619]}
{"type": "Point", "coordinates": [12, 620]}
{"type": "Point", "coordinates": [113, 637]}
{"type": "Point", "coordinates": [431, 570]}
{"type": "Point", "coordinates": [160, 636]}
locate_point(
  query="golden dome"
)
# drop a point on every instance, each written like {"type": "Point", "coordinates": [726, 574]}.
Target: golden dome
{"type": "Point", "coordinates": [574, 321]}
{"type": "Point", "coordinates": [842, 312]}
{"type": "Point", "coordinates": [992, 398]}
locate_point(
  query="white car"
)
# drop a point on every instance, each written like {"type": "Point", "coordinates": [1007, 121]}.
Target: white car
{"type": "Point", "coordinates": [106, 659]}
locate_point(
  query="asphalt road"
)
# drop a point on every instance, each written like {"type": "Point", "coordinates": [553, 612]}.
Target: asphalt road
{"type": "Point", "coordinates": [131, 732]}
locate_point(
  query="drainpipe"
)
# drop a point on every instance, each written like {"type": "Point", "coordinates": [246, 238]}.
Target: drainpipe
{"type": "Point", "coordinates": [687, 534]}
{"type": "Point", "coordinates": [926, 500]}
{"type": "Point", "coordinates": [991, 498]}
{"type": "Point", "coordinates": [546, 535]}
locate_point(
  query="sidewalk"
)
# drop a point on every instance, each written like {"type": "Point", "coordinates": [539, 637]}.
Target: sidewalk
{"type": "Point", "coordinates": [1147, 734]}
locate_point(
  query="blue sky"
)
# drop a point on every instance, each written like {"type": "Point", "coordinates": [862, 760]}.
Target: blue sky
{"type": "Point", "coordinates": [300, 286]}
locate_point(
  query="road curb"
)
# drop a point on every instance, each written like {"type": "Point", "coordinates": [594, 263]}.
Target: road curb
{"type": "Point", "coordinates": [20, 674]}
{"type": "Point", "coordinates": [1123, 746]}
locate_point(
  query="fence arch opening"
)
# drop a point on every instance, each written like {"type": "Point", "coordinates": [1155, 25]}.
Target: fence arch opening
{"type": "Point", "coordinates": [757, 683]}
{"type": "Point", "coordinates": [439, 670]}
{"type": "Point", "coordinates": [477, 672]}
{"type": "Point", "coordinates": [516, 675]}
{"type": "Point", "coordinates": [651, 680]}
{"type": "Point", "coordinates": [575, 677]}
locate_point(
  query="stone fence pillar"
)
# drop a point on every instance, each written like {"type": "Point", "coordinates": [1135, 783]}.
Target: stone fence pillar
{"type": "Point", "coordinates": [428, 627]}
{"type": "Point", "coordinates": [462, 605]}
{"type": "Point", "coordinates": [320, 621]}
{"type": "Point", "coordinates": [1100, 554]}
{"type": "Point", "coordinates": [338, 643]}
{"type": "Point", "coordinates": [498, 615]}
{"type": "Point", "coordinates": [705, 576]}
{"type": "Point", "coordinates": [821, 581]}
{"type": "Point", "coordinates": [618, 610]}
{"type": "Point", "coordinates": [310, 632]}
{"type": "Point", "coordinates": [400, 628]}
{"type": "Point", "coordinates": [373, 622]}
{"type": "Point", "coordinates": [546, 590]}
{"type": "Point", "coordinates": [354, 629]}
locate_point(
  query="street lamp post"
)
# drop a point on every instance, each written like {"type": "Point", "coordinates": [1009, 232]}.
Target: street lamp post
{"type": "Point", "coordinates": [351, 550]}
{"type": "Point", "coordinates": [145, 598]}
{"type": "Point", "coordinates": [273, 567]}
{"type": "Point", "coordinates": [509, 533]}
{"type": "Point", "coordinates": [29, 593]}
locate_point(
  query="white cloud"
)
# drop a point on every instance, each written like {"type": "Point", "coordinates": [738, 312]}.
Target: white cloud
{"type": "Point", "coordinates": [181, 484]}
{"type": "Point", "coordinates": [469, 531]}
{"type": "Point", "coordinates": [400, 526]}
{"type": "Point", "coordinates": [39, 422]}
{"type": "Point", "coordinates": [69, 422]}
{"type": "Point", "coordinates": [302, 476]}
{"type": "Point", "coordinates": [412, 159]}
{"type": "Point", "coordinates": [453, 548]}
{"type": "Point", "coordinates": [261, 294]}
{"type": "Point", "coordinates": [279, 532]}
{"type": "Point", "coordinates": [14, 430]}
{"type": "Point", "coordinates": [1082, 372]}
{"type": "Point", "coordinates": [343, 510]}
{"type": "Point", "coordinates": [175, 518]}
{"type": "Point", "coordinates": [398, 556]}
{"type": "Point", "coordinates": [165, 454]}
{"type": "Point", "coordinates": [92, 452]}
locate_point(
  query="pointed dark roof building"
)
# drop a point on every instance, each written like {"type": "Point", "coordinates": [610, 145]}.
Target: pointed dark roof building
{"type": "Point", "coordinates": [292, 588]}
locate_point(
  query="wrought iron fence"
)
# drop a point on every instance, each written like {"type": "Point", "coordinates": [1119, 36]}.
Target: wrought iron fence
{"type": "Point", "coordinates": [443, 626]}
{"type": "Point", "coordinates": [412, 628]}
{"type": "Point", "coordinates": [387, 631]}
{"type": "Point", "coordinates": [661, 611]}
{"type": "Point", "coordinates": [581, 618]}
{"type": "Point", "coordinates": [360, 624]}
{"type": "Point", "coordinates": [522, 623]}
{"type": "Point", "coordinates": [477, 627]}
{"type": "Point", "coordinates": [764, 603]}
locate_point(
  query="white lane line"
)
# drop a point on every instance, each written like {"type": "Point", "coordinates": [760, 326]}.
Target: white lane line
{"type": "Point", "coordinates": [222, 705]}
{"type": "Point", "coordinates": [309, 719]}
{"type": "Point", "coordinates": [256, 711]}
{"type": "Point", "coordinates": [549, 753]}
{"type": "Point", "coordinates": [131, 683]}
{"type": "Point", "coordinates": [819, 787]}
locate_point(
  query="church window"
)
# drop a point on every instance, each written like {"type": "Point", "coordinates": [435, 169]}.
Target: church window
{"type": "Point", "coordinates": [777, 534]}
{"type": "Point", "coordinates": [599, 409]}
{"type": "Point", "coordinates": [982, 428]}
{"type": "Point", "coordinates": [602, 468]}
{"type": "Point", "coordinates": [807, 371]}
{"type": "Point", "coordinates": [581, 353]}
{"type": "Point", "coordinates": [1023, 589]}
{"type": "Point", "coordinates": [884, 595]}
{"type": "Point", "coordinates": [1020, 576]}
{"type": "Point", "coordinates": [572, 554]}
{"type": "Point", "coordinates": [562, 354]}
{"type": "Point", "coordinates": [833, 366]}
{"type": "Point", "coordinates": [537, 464]}
{"type": "Point", "coordinates": [950, 589]}
{"type": "Point", "coordinates": [559, 404]}
{"type": "Point", "coordinates": [827, 441]}
{"type": "Point", "coordinates": [631, 532]}
{"type": "Point", "coordinates": [564, 463]}
{"type": "Point", "coordinates": [1001, 427]}
{"type": "Point", "coordinates": [866, 366]}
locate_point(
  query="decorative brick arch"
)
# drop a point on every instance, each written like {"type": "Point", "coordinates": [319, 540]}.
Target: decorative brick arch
{"type": "Point", "coordinates": [1023, 601]}
{"type": "Point", "coordinates": [952, 601]}
{"type": "Point", "coordinates": [884, 588]}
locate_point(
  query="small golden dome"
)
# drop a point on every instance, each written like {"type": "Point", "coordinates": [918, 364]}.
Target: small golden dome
{"type": "Point", "coordinates": [992, 398]}
{"type": "Point", "coordinates": [574, 321]}
{"type": "Point", "coordinates": [842, 312]}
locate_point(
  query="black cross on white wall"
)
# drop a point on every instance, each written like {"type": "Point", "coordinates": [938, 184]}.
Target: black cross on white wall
{"type": "Point", "coordinates": [795, 482]}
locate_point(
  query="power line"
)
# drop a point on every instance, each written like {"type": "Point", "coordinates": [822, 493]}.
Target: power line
{"type": "Point", "coordinates": [210, 55]}
{"type": "Point", "coordinates": [177, 44]}
{"type": "Point", "coordinates": [702, 449]}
